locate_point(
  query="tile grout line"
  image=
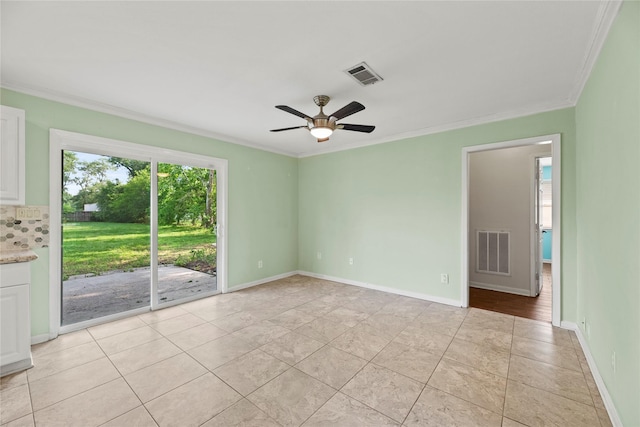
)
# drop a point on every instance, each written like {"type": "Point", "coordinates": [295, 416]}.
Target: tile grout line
{"type": "Point", "coordinates": [398, 373]}
{"type": "Point", "coordinates": [131, 410]}
{"type": "Point", "coordinates": [70, 368]}
{"type": "Point", "coordinates": [66, 370]}
{"type": "Point", "coordinates": [353, 376]}
{"type": "Point", "coordinates": [506, 383]}
{"type": "Point", "coordinates": [75, 395]}
{"type": "Point", "coordinates": [370, 361]}
{"type": "Point", "coordinates": [428, 379]}
{"type": "Point", "coordinates": [426, 384]}
{"type": "Point", "coordinates": [33, 413]}
{"type": "Point", "coordinates": [128, 385]}
{"type": "Point", "coordinates": [273, 379]}
{"type": "Point", "coordinates": [304, 373]}
{"type": "Point", "coordinates": [143, 404]}
{"type": "Point", "coordinates": [584, 375]}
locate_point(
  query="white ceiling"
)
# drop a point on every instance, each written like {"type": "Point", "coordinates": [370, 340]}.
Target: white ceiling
{"type": "Point", "coordinates": [219, 68]}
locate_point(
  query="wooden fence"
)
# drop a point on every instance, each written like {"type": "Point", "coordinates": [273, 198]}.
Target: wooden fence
{"type": "Point", "coordinates": [81, 216]}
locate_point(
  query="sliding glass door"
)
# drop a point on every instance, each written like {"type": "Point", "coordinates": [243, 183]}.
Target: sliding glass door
{"type": "Point", "coordinates": [139, 231]}
{"type": "Point", "coordinates": [105, 236]}
{"type": "Point", "coordinates": [187, 218]}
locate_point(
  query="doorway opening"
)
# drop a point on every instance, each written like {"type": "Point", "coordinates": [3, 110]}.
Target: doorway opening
{"type": "Point", "coordinates": [504, 212]}
{"type": "Point", "coordinates": [138, 233]}
{"type": "Point", "coordinates": [543, 229]}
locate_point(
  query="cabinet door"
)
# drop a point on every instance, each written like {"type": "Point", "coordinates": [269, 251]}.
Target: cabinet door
{"type": "Point", "coordinates": [12, 156]}
{"type": "Point", "coordinates": [14, 324]}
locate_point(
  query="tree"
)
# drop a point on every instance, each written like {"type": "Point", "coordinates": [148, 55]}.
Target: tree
{"type": "Point", "coordinates": [211, 217]}
{"type": "Point", "coordinates": [133, 203]}
{"type": "Point", "coordinates": [69, 162]}
{"type": "Point", "coordinates": [85, 196]}
{"type": "Point", "coordinates": [105, 198]}
{"type": "Point", "coordinates": [89, 176]}
{"type": "Point", "coordinates": [128, 202]}
{"type": "Point", "coordinates": [133, 167]}
{"type": "Point", "coordinates": [186, 194]}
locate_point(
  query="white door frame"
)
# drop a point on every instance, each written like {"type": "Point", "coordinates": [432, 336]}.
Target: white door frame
{"type": "Point", "coordinates": [555, 141]}
{"type": "Point", "coordinates": [536, 231]}
{"type": "Point", "coordinates": [60, 140]}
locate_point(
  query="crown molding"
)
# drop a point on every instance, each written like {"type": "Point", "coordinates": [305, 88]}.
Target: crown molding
{"type": "Point", "coordinates": [607, 12]}
{"type": "Point", "coordinates": [491, 118]}
{"type": "Point", "coordinates": [88, 104]}
{"type": "Point", "coordinates": [140, 117]}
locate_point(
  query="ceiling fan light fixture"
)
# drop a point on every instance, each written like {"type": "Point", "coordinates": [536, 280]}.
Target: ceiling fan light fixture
{"type": "Point", "coordinates": [322, 126]}
{"type": "Point", "coordinates": [321, 132]}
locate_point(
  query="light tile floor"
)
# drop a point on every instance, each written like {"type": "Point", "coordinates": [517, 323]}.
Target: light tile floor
{"type": "Point", "coordinates": [303, 351]}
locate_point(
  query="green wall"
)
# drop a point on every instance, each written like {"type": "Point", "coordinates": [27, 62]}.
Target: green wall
{"type": "Point", "coordinates": [608, 203]}
{"type": "Point", "coordinates": [263, 196]}
{"type": "Point", "coordinates": [396, 208]}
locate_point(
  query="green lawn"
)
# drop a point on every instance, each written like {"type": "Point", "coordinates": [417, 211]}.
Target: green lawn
{"type": "Point", "coordinates": [98, 247]}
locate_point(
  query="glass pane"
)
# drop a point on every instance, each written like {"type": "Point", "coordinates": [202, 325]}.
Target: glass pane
{"type": "Point", "coordinates": [105, 236]}
{"type": "Point", "coordinates": [187, 213]}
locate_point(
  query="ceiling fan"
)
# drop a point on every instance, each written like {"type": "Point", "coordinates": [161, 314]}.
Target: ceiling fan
{"type": "Point", "coordinates": [322, 126]}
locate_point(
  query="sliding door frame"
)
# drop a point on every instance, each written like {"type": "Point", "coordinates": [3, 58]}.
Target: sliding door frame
{"type": "Point", "coordinates": [60, 140]}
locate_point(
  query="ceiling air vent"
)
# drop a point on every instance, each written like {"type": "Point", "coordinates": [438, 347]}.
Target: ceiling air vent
{"type": "Point", "coordinates": [363, 74]}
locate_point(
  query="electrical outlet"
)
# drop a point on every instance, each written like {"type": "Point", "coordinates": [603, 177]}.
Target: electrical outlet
{"type": "Point", "coordinates": [27, 213]}
{"type": "Point", "coordinates": [319, 255]}
{"type": "Point", "coordinates": [613, 362]}
{"type": "Point", "coordinates": [260, 264]}
{"type": "Point", "coordinates": [350, 261]}
{"type": "Point", "coordinates": [444, 278]}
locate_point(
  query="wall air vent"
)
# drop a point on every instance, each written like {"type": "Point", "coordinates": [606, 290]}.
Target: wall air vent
{"type": "Point", "coordinates": [493, 252]}
{"type": "Point", "coordinates": [363, 74]}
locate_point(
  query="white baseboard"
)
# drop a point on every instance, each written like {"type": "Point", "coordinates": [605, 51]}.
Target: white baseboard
{"type": "Point", "coordinates": [492, 287]}
{"type": "Point", "coordinates": [602, 388]}
{"type": "Point", "coordinates": [262, 281]}
{"type": "Point", "coordinates": [426, 297]}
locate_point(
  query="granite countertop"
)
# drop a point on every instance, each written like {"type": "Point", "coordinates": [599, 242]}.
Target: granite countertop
{"type": "Point", "coordinates": [12, 257]}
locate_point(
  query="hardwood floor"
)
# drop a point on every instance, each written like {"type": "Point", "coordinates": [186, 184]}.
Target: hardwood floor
{"type": "Point", "coordinates": [538, 308]}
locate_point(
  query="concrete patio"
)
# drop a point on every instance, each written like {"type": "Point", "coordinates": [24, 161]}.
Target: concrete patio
{"type": "Point", "coordinates": [85, 298]}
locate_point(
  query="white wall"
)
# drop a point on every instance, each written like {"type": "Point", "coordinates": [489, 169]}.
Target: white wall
{"type": "Point", "coordinates": [500, 198]}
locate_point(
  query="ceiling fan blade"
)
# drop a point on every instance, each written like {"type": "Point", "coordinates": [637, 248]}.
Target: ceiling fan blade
{"type": "Point", "coordinates": [323, 139]}
{"type": "Point", "coordinates": [348, 110]}
{"type": "Point", "coordinates": [295, 127]}
{"type": "Point", "coordinates": [357, 128]}
{"type": "Point", "coordinates": [294, 112]}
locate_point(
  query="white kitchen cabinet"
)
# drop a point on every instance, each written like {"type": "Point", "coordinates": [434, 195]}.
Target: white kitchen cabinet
{"type": "Point", "coordinates": [15, 319]}
{"type": "Point", "coordinates": [12, 156]}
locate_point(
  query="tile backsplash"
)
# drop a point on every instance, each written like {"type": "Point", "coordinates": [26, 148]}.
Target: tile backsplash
{"type": "Point", "coordinates": [23, 234]}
